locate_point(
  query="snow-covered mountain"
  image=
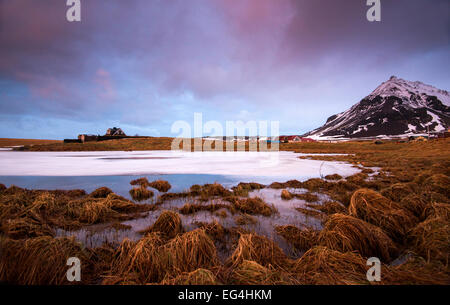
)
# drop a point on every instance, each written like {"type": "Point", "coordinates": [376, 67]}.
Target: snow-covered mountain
{"type": "Point", "coordinates": [397, 107]}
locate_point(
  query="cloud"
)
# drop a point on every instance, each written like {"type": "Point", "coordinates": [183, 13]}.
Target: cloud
{"type": "Point", "coordinates": [148, 63]}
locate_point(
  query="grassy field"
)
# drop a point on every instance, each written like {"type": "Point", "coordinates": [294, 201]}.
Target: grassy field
{"type": "Point", "coordinates": [399, 213]}
{"type": "Point", "coordinates": [4, 142]}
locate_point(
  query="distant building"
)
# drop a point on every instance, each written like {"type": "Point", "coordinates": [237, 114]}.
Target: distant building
{"type": "Point", "coordinates": [87, 138]}
{"type": "Point", "coordinates": [115, 132]}
{"type": "Point", "coordinates": [294, 139]}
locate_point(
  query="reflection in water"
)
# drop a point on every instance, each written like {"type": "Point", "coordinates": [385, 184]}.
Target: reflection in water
{"type": "Point", "coordinates": [96, 235]}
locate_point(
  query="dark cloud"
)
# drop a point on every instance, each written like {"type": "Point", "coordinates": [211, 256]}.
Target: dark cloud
{"type": "Point", "coordinates": [151, 62]}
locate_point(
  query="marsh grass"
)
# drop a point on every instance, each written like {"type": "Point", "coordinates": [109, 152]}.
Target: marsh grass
{"type": "Point", "coordinates": [345, 234]}
{"type": "Point", "coordinates": [168, 224]}
{"type": "Point", "coordinates": [301, 239]}
{"type": "Point", "coordinates": [141, 193]}
{"type": "Point", "coordinates": [254, 206]}
{"type": "Point", "coordinates": [160, 185]}
{"type": "Point", "coordinates": [378, 210]}
{"type": "Point", "coordinates": [403, 209]}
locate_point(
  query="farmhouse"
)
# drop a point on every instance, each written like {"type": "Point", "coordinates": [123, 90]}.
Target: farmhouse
{"type": "Point", "coordinates": [115, 132]}
{"type": "Point", "coordinates": [111, 134]}
{"type": "Point", "coordinates": [294, 139]}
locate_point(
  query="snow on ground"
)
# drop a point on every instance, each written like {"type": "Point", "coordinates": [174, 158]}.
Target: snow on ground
{"type": "Point", "coordinates": [411, 128]}
{"type": "Point", "coordinates": [435, 119]}
{"type": "Point", "coordinates": [276, 165]}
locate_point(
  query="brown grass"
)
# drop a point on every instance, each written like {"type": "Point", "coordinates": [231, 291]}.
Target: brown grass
{"type": "Point", "coordinates": [329, 207]}
{"type": "Point", "coordinates": [245, 219]}
{"type": "Point", "coordinates": [129, 144]}
{"type": "Point", "coordinates": [254, 206]}
{"type": "Point", "coordinates": [120, 204]}
{"type": "Point", "coordinates": [168, 224]}
{"type": "Point", "coordinates": [333, 177]}
{"type": "Point", "coordinates": [415, 271]}
{"type": "Point", "coordinates": [422, 168]}
{"type": "Point", "coordinates": [323, 266]}
{"type": "Point", "coordinates": [190, 251]}
{"type": "Point", "coordinates": [438, 210]}
{"type": "Point", "coordinates": [312, 213]}
{"type": "Point", "coordinates": [198, 277]}
{"type": "Point", "coordinates": [4, 142]}
{"type": "Point", "coordinates": [221, 213]}
{"type": "Point", "coordinates": [39, 261]}
{"type": "Point", "coordinates": [89, 212]}
{"type": "Point", "coordinates": [439, 183]}
{"type": "Point", "coordinates": [171, 196]}
{"type": "Point", "coordinates": [301, 239]}
{"type": "Point", "coordinates": [151, 259]}
{"type": "Point", "coordinates": [101, 192]}
{"type": "Point", "coordinates": [160, 185]}
{"type": "Point", "coordinates": [416, 204]}
{"type": "Point", "coordinates": [29, 213]}
{"type": "Point", "coordinates": [398, 191]}
{"type": "Point", "coordinates": [252, 273]}
{"type": "Point", "coordinates": [430, 238]}
{"type": "Point", "coordinates": [259, 249]}
{"type": "Point", "coordinates": [242, 189]}
{"type": "Point", "coordinates": [141, 193]}
{"type": "Point", "coordinates": [191, 208]}
{"type": "Point", "coordinates": [286, 195]}
{"type": "Point", "coordinates": [345, 233]}
{"type": "Point", "coordinates": [209, 191]}
{"type": "Point", "coordinates": [25, 228]}
{"type": "Point", "coordinates": [288, 184]}
{"type": "Point", "coordinates": [308, 197]}
{"type": "Point", "coordinates": [140, 181]}
{"type": "Point", "coordinates": [378, 210]}
{"type": "Point", "coordinates": [142, 258]}
{"type": "Point", "coordinates": [215, 230]}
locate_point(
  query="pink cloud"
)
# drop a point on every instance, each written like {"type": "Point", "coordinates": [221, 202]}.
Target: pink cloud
{"type": "Point", "coordinates": [105, 88]}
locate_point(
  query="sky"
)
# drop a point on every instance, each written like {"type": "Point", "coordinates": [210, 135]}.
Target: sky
{"type": "Point", "coordinates": [144, 64]}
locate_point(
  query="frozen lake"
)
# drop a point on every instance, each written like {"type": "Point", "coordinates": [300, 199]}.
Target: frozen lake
{"type": "Point", "coordinates": [91, 170]}
{"type": "Point", "coordinates": [262, 167]}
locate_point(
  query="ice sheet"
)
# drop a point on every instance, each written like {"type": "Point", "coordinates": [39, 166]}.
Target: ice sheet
{"type": "Point", "coordinates": [243, 164]}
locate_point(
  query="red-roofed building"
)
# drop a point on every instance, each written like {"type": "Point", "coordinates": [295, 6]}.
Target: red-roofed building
{"type": "Point", "coordinates": [293, 139]}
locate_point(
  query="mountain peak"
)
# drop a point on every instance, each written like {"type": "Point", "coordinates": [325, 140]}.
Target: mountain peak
{"type": "Point", "coordinates": [409, 90]}
{"type": "Point", "coordinates": [397, 107]}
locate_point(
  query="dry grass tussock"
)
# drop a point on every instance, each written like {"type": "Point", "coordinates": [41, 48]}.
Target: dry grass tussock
{"type": "Point", "coordinates": [160, 185]}
{"type": "Point", "coordinates": [168, 224]}
{"type": "Point", "coordinates": [26, 213]}
{"type": "Point", "coordinates": [252, 273]}
{"type": "Point", "coordinates": [191, 208]}
{"type": "Point", "coordinates": [242, 189]}
{"type": "Point", "coordinates": [324, 266]}
{"type": "Point", "coordinates": [39, 261]}
{"type": "Point", "coordinates": [198, 277]}
{"type": "Point", "coordinates": [345, 233]}
{"type": "Point", "coordinates": [152, 259]}
{"type": "Point", "coordinates": [378, 210]}
{"type": "Point", "coordinates": [245, 219]}
{"type": "Point", "coordinates": [254, 206]}
{"type": "Point", "coordinates": [301, 239]}
{"type": "Point", "coordinates": [259, 249]}
{"type": "Point", "coordinates": [430, 238]}
{"type": "Point", "coordinates": [141, 193]}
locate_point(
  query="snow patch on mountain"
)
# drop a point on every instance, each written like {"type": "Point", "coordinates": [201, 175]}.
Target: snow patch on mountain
{"type": "Point", "coordinates": [396, 107]}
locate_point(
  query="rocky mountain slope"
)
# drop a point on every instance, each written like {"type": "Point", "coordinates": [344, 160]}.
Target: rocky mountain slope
{"type": "Point", "coordinates": [396, 108]}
